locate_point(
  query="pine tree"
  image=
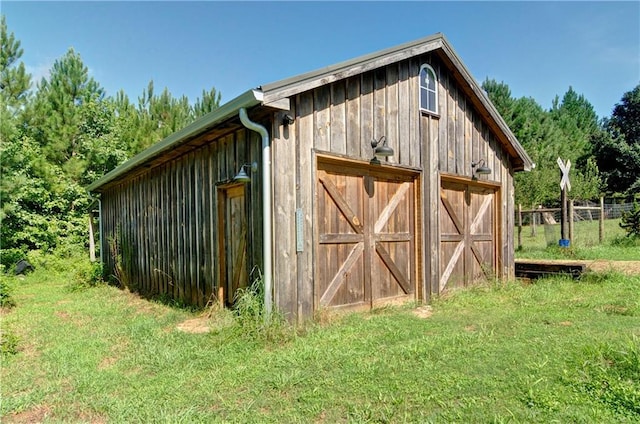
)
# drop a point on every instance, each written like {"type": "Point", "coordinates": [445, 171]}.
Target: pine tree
{"type": "Point", "coordinates": [14, 79]}
{"type": "Point", "coordinates": [209, 101]}
{"type": "Point", "coordinates": [58, 104]}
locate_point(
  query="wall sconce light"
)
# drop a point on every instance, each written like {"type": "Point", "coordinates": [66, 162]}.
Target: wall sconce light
{"type": "Point", "coordinates": [380, 148]}
{"type": "Point", "coordinates": [287, 119]}
{"type": "Point", "coordinates": [480, 168]}
{"type": "Point", "coordinates": [242, 176]}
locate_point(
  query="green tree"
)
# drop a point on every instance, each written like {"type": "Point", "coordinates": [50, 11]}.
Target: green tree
{"type": "Point", "coordinates": [617, 148]}
{"type": "Point", "coordinates": [625, 118]}
{"type": "Point", "coordinates": [500, 95]}
{"type": "Point", "coordinates": [209, 101]}
{"type": "Point", "coordinates": [58, 103]}
{"type": "Point", "coordinates": [564, 132]}
{"type": "Point", "coordinates": [63, 136]}
{"type": "Point", "coordinates": [159, 115]}
{"type": "Point", "coordinates": [14, 79]}
{"type": "Point", "coordinates": [14, 94]}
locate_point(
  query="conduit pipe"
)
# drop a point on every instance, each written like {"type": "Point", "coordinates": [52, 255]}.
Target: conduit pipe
{"type": "Point", "coordinates": [266, 207]}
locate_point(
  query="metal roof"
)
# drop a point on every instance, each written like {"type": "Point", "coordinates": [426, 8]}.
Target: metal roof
{"type": "Point", "coordinates": [274, 92]}
{"type": "Point", "coordinates": [228, 110]}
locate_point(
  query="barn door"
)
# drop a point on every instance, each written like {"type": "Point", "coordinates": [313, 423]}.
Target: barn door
{"type": "Point", "coordinates": [365, 247]}
{"type": "Point", "coordinates": [233, 243]}
{"type": "Point", "coordinates": [467, 233]}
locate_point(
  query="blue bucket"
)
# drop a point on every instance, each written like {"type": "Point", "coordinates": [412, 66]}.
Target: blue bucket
{"type": "Point", "coordinates": [564, 242]}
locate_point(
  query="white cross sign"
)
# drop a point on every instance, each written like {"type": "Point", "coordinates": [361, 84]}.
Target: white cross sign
{"type": "Point", "coordinates": [564, 168]}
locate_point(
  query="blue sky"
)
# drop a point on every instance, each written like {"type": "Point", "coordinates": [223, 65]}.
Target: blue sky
{"type": "Point", "coordinates": [538, 48]}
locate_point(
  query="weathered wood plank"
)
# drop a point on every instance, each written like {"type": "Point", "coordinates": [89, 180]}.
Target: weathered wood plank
{"type": "Point", "coordinates": [339, 238]}
{"type": "Point", "coordinates": [366, 116]}
{"type": "Point", "coordinates": [432, 217]}
{"type": "Point", "coordinates": [531, 268]}
{"type": "Point", "coordinates": [338, 118]}
{"type": "Point", "coordinates": [255, 210]}
{"type": "Point", "coordinates": [337, 280]}
{"type": "Point", "coordinates": [416, 152]}
{"type": "Point", "coordinates": [197, 226]}
{"type": "Point", "coordinates": [402, 280]}
{"type": "Point", "coordinates": [452, 140]}
{"type": "Point", "coordinates": [322, 113]}
{"type": "Point", "coordinates": [181, 254]}
{"type": "Point", "coordinates": [304, 198]}
{"type": "Point", "coordinates": [405, 113]}
{"type": "Point", "coordinates": [174, 233]}
{"type": "Point", "coordinates": [284, 194]}
{"type": "Point", "coordinates": [391, 205]}
{"type": "Point", "coordinates": [461, 164]}
{"type": "Point", "coordinates": [380, 103]}
{"type": "Point", "coordinates": [392, 107]}
{"type": "Point", "coordinates": [442, 125]}
{"type": "Point", "coordinates": [353, 117]}
{"type": "Point", "coordinates": [351, 217]}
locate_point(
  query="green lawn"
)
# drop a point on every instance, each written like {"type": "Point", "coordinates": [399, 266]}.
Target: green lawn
{"type": "Point", "coordinates": [585, 245]}
{"type": "Point", "coordinates": [555, 351]}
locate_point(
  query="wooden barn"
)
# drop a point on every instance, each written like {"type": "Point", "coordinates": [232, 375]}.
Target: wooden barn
{"type": "Point", "coordinates": [385, 178]}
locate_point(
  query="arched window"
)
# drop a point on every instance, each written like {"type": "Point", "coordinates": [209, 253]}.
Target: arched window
{"type": "Point", "coordinates": [428, 89]}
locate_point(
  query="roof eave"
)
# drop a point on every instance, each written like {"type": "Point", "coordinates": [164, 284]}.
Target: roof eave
{"type": "Point", "coordinates": [247, 99]}
{"type": "Point", "coordinates": [342, 70]}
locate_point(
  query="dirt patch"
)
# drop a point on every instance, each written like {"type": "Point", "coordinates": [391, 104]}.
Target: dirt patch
{"type": "Point", "coordinates": [36, 414]}
{"type": "Point", "coordinates": [626, 267]}
{"type": "Point", "coordinates": [107, 363]}
{"type": "Point", "coordinates": [64, 316]}
{"type": "Point", "coordinates": [198, 325]}
{"type": "Point", "coordinates": [423, 311]}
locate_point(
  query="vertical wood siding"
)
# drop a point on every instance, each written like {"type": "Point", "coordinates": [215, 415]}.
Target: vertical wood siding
{"type": "Point", "coordinates": [166, 220]}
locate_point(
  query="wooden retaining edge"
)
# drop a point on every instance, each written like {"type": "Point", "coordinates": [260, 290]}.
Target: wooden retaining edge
{"type": "Point", "coordinates": [537, 268]}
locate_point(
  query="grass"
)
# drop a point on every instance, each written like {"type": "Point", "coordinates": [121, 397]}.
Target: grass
{"type": "Point", "coordinates": [544, 245]}
{"type": "Point", "coordinates": [555, 351]}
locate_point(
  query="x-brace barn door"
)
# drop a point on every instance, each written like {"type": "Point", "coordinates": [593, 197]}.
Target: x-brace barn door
{"type": "Point", "coordinates": [467, 233]}
{"type": "Point", "coordinates": [365, 248]}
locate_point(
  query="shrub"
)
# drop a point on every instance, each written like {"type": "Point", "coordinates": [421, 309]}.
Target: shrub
{"type": "Point", "coordinates": [8, 342]}
{"type": "Point", "coordinates": [9, 257]}
{"type": "Point", "coordinates": [6, 300]}
{"type": "Point", "coordinates": [631, 221]}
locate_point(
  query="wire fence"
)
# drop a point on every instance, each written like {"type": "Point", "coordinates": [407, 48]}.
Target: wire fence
{"type": "Point", "coordinates": [611, 211]}
{"type": "Point", "coordinates": [585, 223]}
{"type": "Point", "coordinates": [554, 215]}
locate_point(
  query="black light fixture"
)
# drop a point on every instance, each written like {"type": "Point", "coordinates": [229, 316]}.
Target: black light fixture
{"type": "Point", "coordinates": [380, 147]}
{"type": "Point", "coordinates": [242, 176]}
{"type": "Point", "coordinates": [480, 168]}
{"type": "Point", "coordinates": [287, 119]}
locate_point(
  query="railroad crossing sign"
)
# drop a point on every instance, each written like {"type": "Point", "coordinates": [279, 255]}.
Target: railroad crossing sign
{"type": "Point", "coordinates": [564, 169]}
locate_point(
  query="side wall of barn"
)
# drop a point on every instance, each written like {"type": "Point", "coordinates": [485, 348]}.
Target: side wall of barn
{"type": "Point", "coordinates": [161, 228]}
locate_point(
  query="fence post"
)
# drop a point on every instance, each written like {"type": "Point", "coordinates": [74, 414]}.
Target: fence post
{"type": "Point", "coordinates": [571, 220]}
{"type": "Point", "coordinates": [601, 220]}
{"type": "Point", "coordinates": [519, 226]}
{"type": "Point", "coordinates": [534, 222]}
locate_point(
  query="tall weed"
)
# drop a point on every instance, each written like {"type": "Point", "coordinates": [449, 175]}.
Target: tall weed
{"type": "Point", "coordinates": [253, 319]}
